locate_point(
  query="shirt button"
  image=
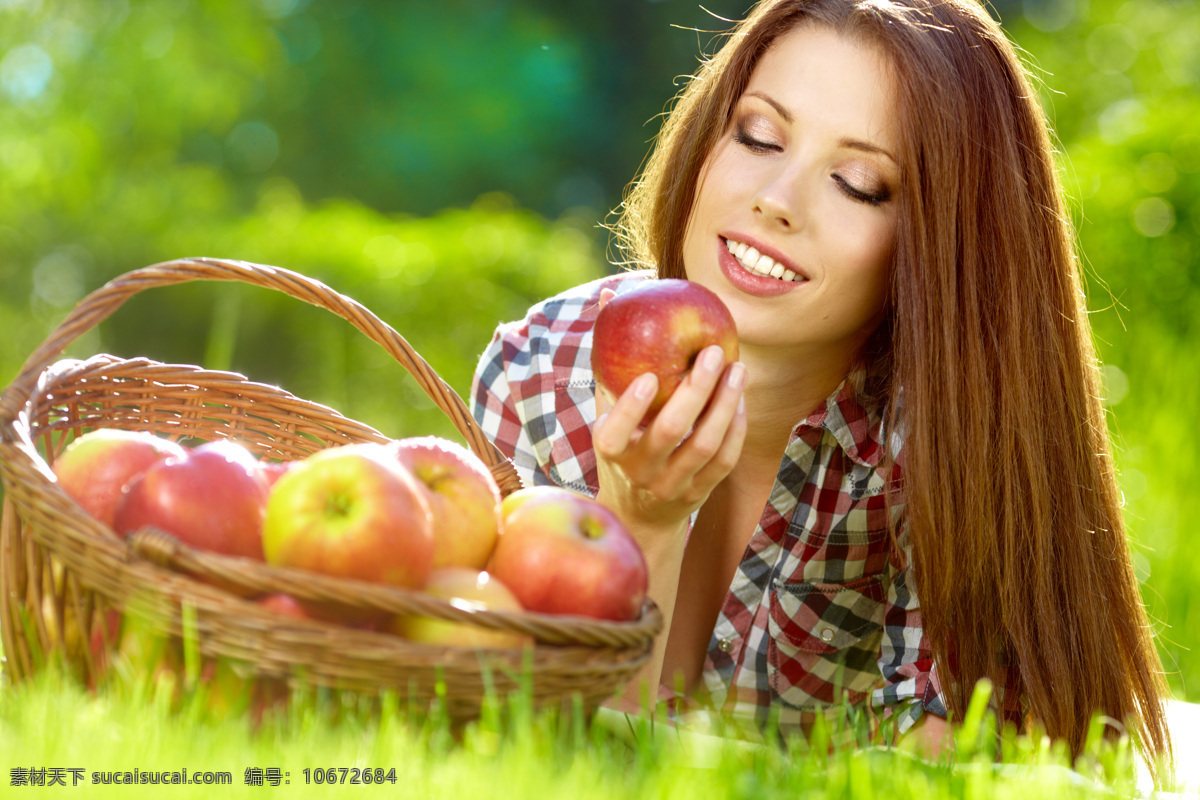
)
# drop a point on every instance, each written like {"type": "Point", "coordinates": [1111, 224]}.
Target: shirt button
{"type": "Point", "coordinates": [827, 635]}
{"type": "Point", "coordinates": [725, 645]}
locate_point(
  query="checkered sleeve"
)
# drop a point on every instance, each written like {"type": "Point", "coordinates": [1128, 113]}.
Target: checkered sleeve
{"type": "Point", "coordinates": [911, 686]}
{"type": "Point", "coordinates": [495, 409]}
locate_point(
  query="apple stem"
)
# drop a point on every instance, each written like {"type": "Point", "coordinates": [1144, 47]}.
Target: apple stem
{"type": "Point", "coordinates": [338, 505]}
{"type": "Point", "coordinates": [593, 529]}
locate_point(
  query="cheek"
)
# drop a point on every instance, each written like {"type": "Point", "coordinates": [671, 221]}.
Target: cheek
{"type": "Point", "coordinates": [870, 247]}
{"type": "Point", "coordinates": [711, 191]}
{"type": "Point", "coordinates": [867, 253]}
{"type": "Point", "coordinates": [723, 176]}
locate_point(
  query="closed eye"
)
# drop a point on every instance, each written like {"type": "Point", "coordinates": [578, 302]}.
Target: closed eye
{"type": "Point", "coordinates": [743, 137]}
{"type": "Point", "coordinates": [854, 193]}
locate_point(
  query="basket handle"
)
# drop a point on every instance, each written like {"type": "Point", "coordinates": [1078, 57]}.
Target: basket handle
{"type": "Point", "coordinates": [100, 304]}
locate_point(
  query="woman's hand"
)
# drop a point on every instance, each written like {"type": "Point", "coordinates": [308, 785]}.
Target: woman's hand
{"type": "Point", "coordinates": [655, 477]}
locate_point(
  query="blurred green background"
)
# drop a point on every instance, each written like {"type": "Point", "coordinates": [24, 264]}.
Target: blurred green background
{"type": "Point", "coordinates": [450, 163]}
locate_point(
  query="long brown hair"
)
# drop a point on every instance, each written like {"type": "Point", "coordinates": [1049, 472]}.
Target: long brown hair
{"type": "Point", "coordinates": [1018, 545]}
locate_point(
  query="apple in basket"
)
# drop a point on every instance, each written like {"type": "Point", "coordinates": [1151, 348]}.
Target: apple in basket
{"type": "Point", "coordinates": [94, 468]}
{"type": "Point", "coordinates": [272, 471]}
{"type": "Point", "coordinates": [462, 495]}
{"type": "Point", "coordinates": [351, 511]}
{"type": "Point", "coordinates": [212, 497]}
{"type": "Point", "coordinates": [659, 326]}
{"type": "Point", "coordinates": [470, 590]}
{"type": "Point", "coordinates": [284, 605]}
{"type": "Point", "coordinates": [564, 553]}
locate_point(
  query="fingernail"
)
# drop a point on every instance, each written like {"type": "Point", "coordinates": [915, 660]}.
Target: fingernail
{"type": "Point", "coordinates": [737, 375]}
{"type": "Point", "coordinates": [712, 358]}
{"type": "Point", "coordinates": [643, 387]}
{"type": "Point", "coordinates": [741, 409]}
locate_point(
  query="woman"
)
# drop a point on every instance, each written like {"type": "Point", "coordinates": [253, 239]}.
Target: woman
{"type": "Point", "coordinates": [869, 186]}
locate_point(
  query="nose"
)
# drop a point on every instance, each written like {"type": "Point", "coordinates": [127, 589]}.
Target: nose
{"type": "Point", "coordinates": [777, 200]}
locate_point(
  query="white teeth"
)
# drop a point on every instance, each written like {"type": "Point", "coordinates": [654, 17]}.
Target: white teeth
{"type": "Point", "coordinates": [759, 264]}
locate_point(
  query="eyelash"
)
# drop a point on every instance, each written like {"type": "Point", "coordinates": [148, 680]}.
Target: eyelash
{"type": "Point", "coordinates": [757, 146]}
{"type": "Point", "coordinates": [876, 199]}
{"type": "Point", "coordinates": [754, 145]}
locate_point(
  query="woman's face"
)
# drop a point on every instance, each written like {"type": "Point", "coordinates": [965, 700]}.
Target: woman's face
{"type": "Point", "coordinates": [803, 186]}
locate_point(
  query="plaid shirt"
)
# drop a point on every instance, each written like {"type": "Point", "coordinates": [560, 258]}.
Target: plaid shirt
{"type": "Point", "coordinates": [820, 604]}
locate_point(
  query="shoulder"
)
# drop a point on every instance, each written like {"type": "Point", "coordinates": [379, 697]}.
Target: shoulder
{"type": "Point", "coordinates": [555, 334]}
{"type": "Point", "coordinates": [579, 303]}
{"type": "Point", "coordinates": [537, 375]}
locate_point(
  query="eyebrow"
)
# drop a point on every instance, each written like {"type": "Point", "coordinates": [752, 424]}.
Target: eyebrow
{"type": "Point", "coordinates": [845, 141]}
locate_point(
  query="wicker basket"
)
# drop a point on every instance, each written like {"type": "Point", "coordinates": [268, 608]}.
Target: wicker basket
{"type": "Point", "coordinates": [58, 565]}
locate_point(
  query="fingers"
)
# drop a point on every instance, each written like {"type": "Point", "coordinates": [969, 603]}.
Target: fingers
{"type": "Point", "coordinates": [710, 432]}
{"type": "Point", "coordinates": [695, 439]}
{"type": "Point", "coordinates": [719, 437]}
{"type": "Point", "coordinates": [676, 419]}
{"type": "Point", "coordinates": [617, 430]}
{"type": "Point", "coordinates": [711, 449]}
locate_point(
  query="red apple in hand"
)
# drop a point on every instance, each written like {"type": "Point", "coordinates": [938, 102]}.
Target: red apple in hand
{"type": "Point", "coordinates": [462, 495]}
{"type": "Point", "coordinates": [351, 511]}
{"type": "Point", "coordinates": [658, 326]}
{"type": "Point", "coordinates": [211, 497]}
{"type": "Point", "coordinates": [563, 553]}
{"type": "Point", "coordinates": [471, 590]}
{"type": "Point", "coordinates": [94, 468]}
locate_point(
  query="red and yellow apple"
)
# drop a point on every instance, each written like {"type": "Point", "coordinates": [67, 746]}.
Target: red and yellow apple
{"type": "Point", "coordinates": [470, 590]}
{"type": "Point", "coordinates": [658, 326]}
{"type": "Point", "coordinates": [94, 468]}
{"type": "Point", "coordinates": [564, 553]}
{"type": "Point", "coordinates": [212, 497]}
{"type": "Point", "coordinates": [462, 495]}
{"type": "Point", "coordinates": [523, 495]}
{"type": "Point", "coordinates": [351, 511]}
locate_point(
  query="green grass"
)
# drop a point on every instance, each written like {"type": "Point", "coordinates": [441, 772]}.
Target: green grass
{"type": "Point", "coordinates": [511, 752]}
{"type": "Point", "coordinates": [1154, 433]}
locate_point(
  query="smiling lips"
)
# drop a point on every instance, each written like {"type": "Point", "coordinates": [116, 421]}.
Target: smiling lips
{"type": "Point", "coordinates": [760, 263]}
{"type": "Point", "coordinates": [755, 273]}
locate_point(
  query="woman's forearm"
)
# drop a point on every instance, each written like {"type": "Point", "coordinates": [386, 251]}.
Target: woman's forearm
{"type": "Point", "coordinates": [663, 550]}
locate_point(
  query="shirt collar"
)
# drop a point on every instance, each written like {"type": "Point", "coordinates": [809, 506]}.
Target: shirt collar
{"type": "Point", "coordinates": [858, 430]}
